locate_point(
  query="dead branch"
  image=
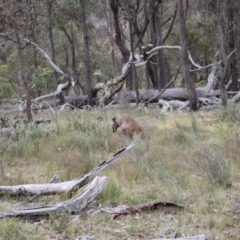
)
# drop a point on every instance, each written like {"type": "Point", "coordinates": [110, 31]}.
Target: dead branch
{"type": "Point", "coordinates": [34, 197]}
{"type": "Point", "coordinates": [83, 238]}
{"type": "Point", "coordinates": [51, 63]}
{"type": "Point", "coordinates": [64, 187]}
{"type": "Point", "coordinates": [165, 207]}
{"type": "Point", "coordinates": [173, 104]}
{"type": "Point", "coordinates": [197, 237]}
{"type": "Point", "coordinates": [162, 91]}
{"type": "Point", "coordinates": [59, 89]}
{"type": "Point", "coordinates": [72, 206]}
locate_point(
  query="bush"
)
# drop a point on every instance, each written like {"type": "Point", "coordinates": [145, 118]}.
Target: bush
{"type": "Point", "coordinates": [6, 90]}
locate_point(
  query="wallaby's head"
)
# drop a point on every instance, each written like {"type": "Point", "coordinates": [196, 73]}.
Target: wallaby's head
{"type": "Point", "coordinates": [115, 125]}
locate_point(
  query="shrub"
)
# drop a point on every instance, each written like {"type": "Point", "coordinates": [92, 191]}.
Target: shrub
{"type": "Point", "coordinates": [6, 90]}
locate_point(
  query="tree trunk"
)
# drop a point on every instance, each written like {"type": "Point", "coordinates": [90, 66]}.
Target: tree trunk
{"type": "Point", "coordinates": [120, 41]}
{"type": "Point", "coordinates": [152, 71]}
{"type": "Point", "coordinates": [184, 59]}
{"type": "Point", "coordinates": [110, 32]}
{"type": "Point", "coordinates": [33, 30]}
{"type": "Point", "coordinates": [225, 74]}
{"type": "Point", "coordinates": [86, 53]}
{"type": "Point", "coordinates": [23, 85]}
{"type": "Point", "coordinates": [50, 33]}
{"type": "Point", "coordinates": [133, 69]}
{"type": "Point", "coordinates": [162, 78]}
{"type": "Point", "coordinates": [157, 74]}
{"type": "Point", "coordinates": [231, 44]}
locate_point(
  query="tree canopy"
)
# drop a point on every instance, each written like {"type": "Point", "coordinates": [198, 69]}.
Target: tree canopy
{"type": "Point", "coordinates": [116, 44]}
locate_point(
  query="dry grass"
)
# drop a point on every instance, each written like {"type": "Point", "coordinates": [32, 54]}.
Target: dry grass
{"type": "Point", "coordinates": [164, 167]}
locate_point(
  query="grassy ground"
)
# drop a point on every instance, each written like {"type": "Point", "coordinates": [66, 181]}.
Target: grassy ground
{"type": "Point", "coordinates": [188, 159]}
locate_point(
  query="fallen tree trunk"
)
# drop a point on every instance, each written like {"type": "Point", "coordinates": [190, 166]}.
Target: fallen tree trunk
{"type": "Point", "coordinates": [166, 207]}
{"type": "Point", "coordinates": [64, 187]}
{"type": "Point", "coordinates": [197, 237]}
{"type": "Point", "coordinates": [72, 206]}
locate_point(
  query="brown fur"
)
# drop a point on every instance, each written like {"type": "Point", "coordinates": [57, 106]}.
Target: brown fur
{"type": "Point", "coordinates": [128, 125]}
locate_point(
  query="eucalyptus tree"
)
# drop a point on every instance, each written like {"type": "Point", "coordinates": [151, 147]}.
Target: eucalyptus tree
{"type": "Point", "coordinates": [16, 18]}
{"type": "Point", "coordinates": [184, 58]}
{"type": "Point", "coordinates": [231, 29]}
{"type": "Point", "coordinates": [87, 62]}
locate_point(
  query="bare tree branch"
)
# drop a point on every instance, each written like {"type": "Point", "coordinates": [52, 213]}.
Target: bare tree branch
{"type": "Point", "coordinates": [51, 63]}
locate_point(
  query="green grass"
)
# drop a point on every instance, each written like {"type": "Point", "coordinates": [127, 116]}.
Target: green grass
{"type": "Point", "coordinates": [187, 159]}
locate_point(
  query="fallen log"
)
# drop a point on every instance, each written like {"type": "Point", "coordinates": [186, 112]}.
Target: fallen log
{"type": "Point", "coordinates": [64, 187]}
{"type": "Point", "coordinates": [34, 197]}
{"type": "Point", "coordinates": [72, 206]}
{"type": "Point", "coordinates": [165, 207]}
{"type": "Point", "coordinates": [197, 237]}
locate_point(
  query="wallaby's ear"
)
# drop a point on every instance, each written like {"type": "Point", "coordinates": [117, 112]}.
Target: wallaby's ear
{"type": "Point", "coordinates": [114, 119]}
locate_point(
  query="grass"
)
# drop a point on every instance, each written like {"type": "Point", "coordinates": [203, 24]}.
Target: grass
{"type": "Point", "coordinates": [187, 159]}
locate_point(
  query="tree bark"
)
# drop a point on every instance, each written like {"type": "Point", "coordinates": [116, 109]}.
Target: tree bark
{"type": "Point", "coordinates": [162, 78]}
{"type": "Point", "coordinates": [72, 206]}
{"type": "Point", "coordinates": [50, 32]}
{"type": "Point", "coordinates": [114, 4]}
{"type": "Point", "coordinates": [225, 74]}
{"type": "Point", "coordinates": [184, 59]}
{"type": "Point", "coordinates": [231, 44]}
{"type": "Point", "coordinates": [86, 53]}
{"type": "Point", "coordinates": [23, 85]}
{"type": "Point", "coordinates": [110, 32]}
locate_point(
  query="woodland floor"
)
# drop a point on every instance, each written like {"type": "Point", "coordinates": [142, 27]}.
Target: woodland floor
{"type": "Point", "coordinates": [161, 167]}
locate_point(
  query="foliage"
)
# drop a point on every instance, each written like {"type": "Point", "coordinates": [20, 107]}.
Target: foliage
{"type": "Point", "coordinates": [6, 90]}
{"type": "Point", "coordinates": [42, 78]}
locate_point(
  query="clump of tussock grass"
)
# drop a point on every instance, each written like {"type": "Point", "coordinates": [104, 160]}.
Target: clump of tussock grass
{"type": "Point", "coordinates": [111, 194]}
{"type": "Point", "coordinates": [17, 149]}
{"type": "Point", "coordinates": [184, 134]}
{"type": "Point", "coordinates": [230, 149]}
{"type": "Point", "coordinates": [213, 166]}
{"type": "Point", "coordinates": [230, 114]}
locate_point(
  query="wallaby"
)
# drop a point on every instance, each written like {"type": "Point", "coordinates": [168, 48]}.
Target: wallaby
{"type": "Point", "coordinates": [128, 125]}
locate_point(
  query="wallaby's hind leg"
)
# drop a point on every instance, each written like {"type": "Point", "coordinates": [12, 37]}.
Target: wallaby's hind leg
{"type": "Point", "coordinates": [126, 133]}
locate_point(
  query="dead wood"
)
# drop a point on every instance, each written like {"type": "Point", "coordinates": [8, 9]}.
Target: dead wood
{"type": "Point", "coordinates": [197, 237]}
{"type": "Point", "coordinates": [72, 206]}
{"type": "Point", "coordinates": [165, 207]}
{"type": "Point", "coordinates": [34, 197]}
{"type": "Point", "coordinates": [38, 121]}
{"type": "Point", "coordinates": [83, 238]}
{"type": "Point", "coordinates": [64, 187]}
